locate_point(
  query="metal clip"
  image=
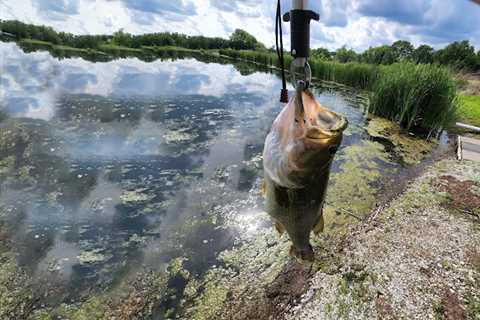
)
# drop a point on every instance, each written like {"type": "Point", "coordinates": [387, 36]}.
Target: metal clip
{"type": "Point", "coordinates": [301, 66]}
{"type": "Point", "coordinates": [300, 86]}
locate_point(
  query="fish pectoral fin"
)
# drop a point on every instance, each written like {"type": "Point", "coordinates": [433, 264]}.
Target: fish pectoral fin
{"type": "Point", "coordinates": [264, 189]}
{"type": "Point", "coordinates": [279, 227]}
{"type": "Point", "coordinates": [319, 226]}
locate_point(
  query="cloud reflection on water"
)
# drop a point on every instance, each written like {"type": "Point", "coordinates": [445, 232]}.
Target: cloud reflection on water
{"type": "Point", "coordinates": [134, 160]}
{"type": "Point", "coordinates": [31, 83]}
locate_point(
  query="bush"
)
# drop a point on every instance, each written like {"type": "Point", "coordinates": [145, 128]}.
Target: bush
{"type": "Point", "coordinates": [416, 96]}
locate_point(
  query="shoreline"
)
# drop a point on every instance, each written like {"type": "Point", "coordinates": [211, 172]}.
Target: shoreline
{"type": "Point", "coordinates": [382, 268]}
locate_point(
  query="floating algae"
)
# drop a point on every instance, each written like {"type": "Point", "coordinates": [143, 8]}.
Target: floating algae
{"type": "Point", "coordinates": [354, 187]}
{"type": "Point", "coordinates": [92, 256]}
{"type": "Point", "coordinates": [7, 165]}
{"type": "Point", "coordinates": [16, 297]}
{"type": "Point", "coordinates": [177, 136]}
{"type": "Point", "coordinates": [215, 292]}
{"type": "Point", "coordinates": [410, 148]}
{"type": "Point", "coordinates": [135, 196]}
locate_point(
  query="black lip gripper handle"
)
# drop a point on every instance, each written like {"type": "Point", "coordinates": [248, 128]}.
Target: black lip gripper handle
{"type": "Point", "coordinates": [300, 31]}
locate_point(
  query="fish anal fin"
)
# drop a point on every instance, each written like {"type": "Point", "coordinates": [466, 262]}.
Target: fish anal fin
{"type": "Point", "coordinates": [279, 227]}
{"type": "Point", "coordinates": [319, 226]}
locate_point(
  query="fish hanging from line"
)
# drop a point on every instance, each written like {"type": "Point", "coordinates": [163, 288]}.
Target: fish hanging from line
{"type": "Point", "coordinates": [297, 157]}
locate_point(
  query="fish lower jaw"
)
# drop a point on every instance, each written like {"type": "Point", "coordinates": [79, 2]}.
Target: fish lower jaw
{"type": "Point", "coordinates": [303, 256]}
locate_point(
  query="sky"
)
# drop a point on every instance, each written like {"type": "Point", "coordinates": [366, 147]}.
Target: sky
{"type": "Point", "coordinates": [355, 24]}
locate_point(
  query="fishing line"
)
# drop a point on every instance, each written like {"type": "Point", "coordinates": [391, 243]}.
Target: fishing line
{"type": "Point", "coordinates": [278, 29]}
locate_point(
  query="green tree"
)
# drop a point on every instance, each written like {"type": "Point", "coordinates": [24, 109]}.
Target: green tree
{"type": "Point", "coordinates": [345, 55]}
{"type": "Point", "coordinates": [478, 60]}
{"type": "Point", "coordinates": [122, 38]}
{"type": "Point", "coordinates": [379, 55]}
{"type": "Point", "coordinates": [402, 50]}
{"type": "Point", "coordinates": [241, 39]}
{"type": "Point", "coordinates": [459, 55]}
{"type": "Point", "coordinates": [423, 54]}
{"type": "Point", "coordinates": [321, 53]}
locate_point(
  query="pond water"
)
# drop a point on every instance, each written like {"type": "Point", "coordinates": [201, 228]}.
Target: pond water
{"type": "Point", "coordinates": [110, 167]}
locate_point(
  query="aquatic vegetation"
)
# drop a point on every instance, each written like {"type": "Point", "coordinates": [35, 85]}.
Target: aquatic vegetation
{"type": "Point", "coordinates": [7, 164]}
{"type": "Point", "coordinates": [177, 136]}
{"type": "Point", "coordinates": [135, 196]}
{"type": "Point", "coordinates": [248, 267]}
{"type": "Point", "coordinates": [214, 295]}
{"type": "Point", "coordinates": [92, 256]}
{"type": "Point", "coordinates": [16, 297]}
{"type": "Point", "coordinates": [354, 188]}
{"type": "Point", "coordinates": [410, 148]}
{"type": "Point", "coordinates": [93, 308]}
{"type": "Point", "coordinates": [415, 96]}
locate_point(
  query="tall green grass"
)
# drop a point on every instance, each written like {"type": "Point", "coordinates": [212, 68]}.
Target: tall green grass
{"type": "Point", "coordinates": [416, 96]}
{"type": "Point", "coordinates": [354, 74]}
{"type": "Point", "coordinates": [358, 75]}
{"type": "Point", "coordinates": [419, 96]}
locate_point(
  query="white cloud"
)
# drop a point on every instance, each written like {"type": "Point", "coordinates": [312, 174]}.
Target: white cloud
{"type": "Point", "coordinates": [357, 24]}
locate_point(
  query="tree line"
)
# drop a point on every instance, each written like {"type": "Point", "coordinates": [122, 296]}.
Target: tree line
{"type": "Point", "coordinates": [459, 55]}
{"type": "Point", "coordinates": [239, 39]}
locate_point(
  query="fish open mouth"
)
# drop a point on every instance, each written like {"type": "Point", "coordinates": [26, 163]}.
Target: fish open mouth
{"type": "Point", "coordinates": [320, 123]}
{"type": "Point", "coordinates": [327, 125]}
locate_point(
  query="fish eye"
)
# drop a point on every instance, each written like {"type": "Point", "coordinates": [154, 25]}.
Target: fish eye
{"type": "Point", "coordinates": [333, 149]}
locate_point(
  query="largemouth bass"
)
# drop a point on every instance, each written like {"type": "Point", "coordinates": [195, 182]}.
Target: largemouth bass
{"type": "Point", "coordinates": [297, 157]}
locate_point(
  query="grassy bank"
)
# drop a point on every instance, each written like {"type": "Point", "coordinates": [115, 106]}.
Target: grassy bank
{"type": "Point", "coordinates": [469, 110]}
{"type": "Point", "coordinates": [417, 96]}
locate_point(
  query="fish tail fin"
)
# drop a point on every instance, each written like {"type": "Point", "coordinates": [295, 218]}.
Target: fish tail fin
{"type": "Point", "coordinates": [279, 227]}
{"type": "Point", "coordinates": [303, 256]}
